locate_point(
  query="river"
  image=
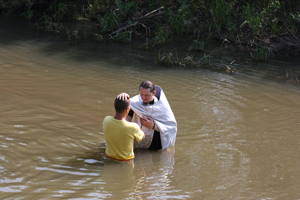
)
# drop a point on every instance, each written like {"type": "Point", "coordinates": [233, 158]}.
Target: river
{"type": "Point", "coordinates": [238, 134]}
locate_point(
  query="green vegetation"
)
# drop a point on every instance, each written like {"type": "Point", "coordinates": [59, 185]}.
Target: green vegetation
{"type": "Point", "coordinates": [261, 54]}
{"type": "Point", "coordinates": [122, 37]}
{"type": "Point", "coordinates": [265, 27]}
{"type": "Point", "coordinates": [160, 38]}
{"type": "Point", "coordinates": [197, 45]}
{"type": "Point", "coordinates": [171, 58]}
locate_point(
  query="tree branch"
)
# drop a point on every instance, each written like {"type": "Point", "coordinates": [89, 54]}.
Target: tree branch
{"type": "Point", "coordinates": [136, 21]}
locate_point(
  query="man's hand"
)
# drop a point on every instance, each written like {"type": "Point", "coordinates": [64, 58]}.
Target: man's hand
{"type": "Point", "coordinates": [149, 123]}
{"type": "Point", "coordinates": [123, 96]}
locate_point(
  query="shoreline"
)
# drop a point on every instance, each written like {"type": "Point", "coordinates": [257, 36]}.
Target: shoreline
{"type": "Point", "coordinates": [262, 29]}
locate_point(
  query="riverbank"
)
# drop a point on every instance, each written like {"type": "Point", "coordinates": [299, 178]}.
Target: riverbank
{"type": "Point", "coordinates": [264, 29]}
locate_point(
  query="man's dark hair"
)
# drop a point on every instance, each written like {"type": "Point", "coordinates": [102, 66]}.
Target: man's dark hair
{"type": "Point", "coordinates": [148, 85]}
{"type": "Point", "coordinates": [120, 106]}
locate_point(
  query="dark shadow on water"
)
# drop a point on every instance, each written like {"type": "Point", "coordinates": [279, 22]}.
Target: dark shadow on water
{"type": "Point", "coordinates": [88, 52]}
{"type": "Point", "coordinates": [15, 31]}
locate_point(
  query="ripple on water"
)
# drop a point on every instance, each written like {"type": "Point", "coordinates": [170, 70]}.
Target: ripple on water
{"type": "Point", "coordinates": [231, 128]}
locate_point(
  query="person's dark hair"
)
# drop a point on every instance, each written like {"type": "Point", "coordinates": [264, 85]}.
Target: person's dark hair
{"type": "Point", "coordinates": [148, 84]}
{"type": "Point", "coordinates": [120, 106]}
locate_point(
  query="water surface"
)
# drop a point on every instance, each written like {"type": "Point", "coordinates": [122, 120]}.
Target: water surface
{"type": "Point", "coordinates": [238, 135]}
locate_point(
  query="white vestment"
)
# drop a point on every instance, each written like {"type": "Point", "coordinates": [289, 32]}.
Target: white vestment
{"type": "Point", "coordinates": [163, 117]}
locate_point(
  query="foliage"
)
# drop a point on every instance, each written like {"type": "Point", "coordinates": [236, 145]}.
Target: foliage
{"type": "Point", "coordinates": [197, 45]}
{"type": "Point", "coordinates": [179, 19]}
{"type": "Point", "coordinates": [109, 21]}
{"type": "Point", "coordinates": [171, 59]}
{"type": "Point", "coordinates": [261, 54]}
{"type": "Point", "coordinates": [73, 35]}
{"type": "Point", "coordinates": [239, 21]}
{"type": "Point", "coordinates": [252, 19]}
{"type": "Point", "coordinates": [160, 38]}
{"type": "Point", "coordinates": [145, 45]}
{"type": "Point", "coordinates": [222, 12]}
{"type": "Point", "coordinates": [124, 8]}
{"type": "Point", "coordinates": [125, 36]}
{"type": "Point", "coordinates": [48, 25]}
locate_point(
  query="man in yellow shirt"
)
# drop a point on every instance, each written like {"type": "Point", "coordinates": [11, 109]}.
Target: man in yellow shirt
{"type": "Point", "coordinates": [120, 134]}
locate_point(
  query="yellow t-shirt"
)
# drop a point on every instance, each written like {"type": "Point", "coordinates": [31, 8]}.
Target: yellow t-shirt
{"type": "Point", "coordinates": [119, 136]}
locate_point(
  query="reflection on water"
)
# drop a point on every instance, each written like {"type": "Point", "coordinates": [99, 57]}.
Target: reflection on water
{"type": "Point", "coordinates": [145, 177]}
{"type": "Point", "coordinates": [238, 135]}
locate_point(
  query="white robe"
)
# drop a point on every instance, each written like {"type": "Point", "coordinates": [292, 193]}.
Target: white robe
{"type": "Point", "coordinates": [163, 117]}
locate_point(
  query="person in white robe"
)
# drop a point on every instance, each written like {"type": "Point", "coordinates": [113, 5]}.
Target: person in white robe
{"type": "Point", "coordinates": [151, 110]}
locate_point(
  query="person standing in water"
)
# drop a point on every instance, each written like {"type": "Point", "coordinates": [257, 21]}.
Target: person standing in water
{"type": "Point", "coordinates": [151, 110]}
{"type": "Point", "coordinates": [120, 134]}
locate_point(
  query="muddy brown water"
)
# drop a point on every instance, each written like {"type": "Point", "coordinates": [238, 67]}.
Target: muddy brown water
{"type": "Point", "coordinates": [238, 135]}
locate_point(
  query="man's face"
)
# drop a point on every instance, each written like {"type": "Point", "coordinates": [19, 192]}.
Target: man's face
{"type": "Point", "coordinates": [146, 95]}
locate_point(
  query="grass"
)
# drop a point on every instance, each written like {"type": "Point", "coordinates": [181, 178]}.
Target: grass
{"type": "Point", "coordinates": [261, 54]}
{"type": "Point", "coordinates": [145, 45]}
{"type": "Point", "coordinates": [197, 45]}
{"type": "Point", "coordinates": [124, 37]}
{"type": "Point", "coordinates": [49, 25]}
{"type": "Point", "coordinates": [160, 38]}
{"type": "Point", "coordinates": [99, 37]}
{"type": "Point", "coordinates": [109, 22]}
{"type": "Point", "coordinates": [171, 59]}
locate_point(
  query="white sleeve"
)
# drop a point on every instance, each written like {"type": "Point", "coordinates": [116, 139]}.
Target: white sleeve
{"type": "Point", "coordinates": [156, 128]}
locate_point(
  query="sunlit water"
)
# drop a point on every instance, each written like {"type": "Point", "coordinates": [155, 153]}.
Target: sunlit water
{"type": "Point", "coordinates": [238, 135]}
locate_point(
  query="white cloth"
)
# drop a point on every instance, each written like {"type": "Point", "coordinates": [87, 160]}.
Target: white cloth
{"type": "Point", "coordinates": [163, 117]}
